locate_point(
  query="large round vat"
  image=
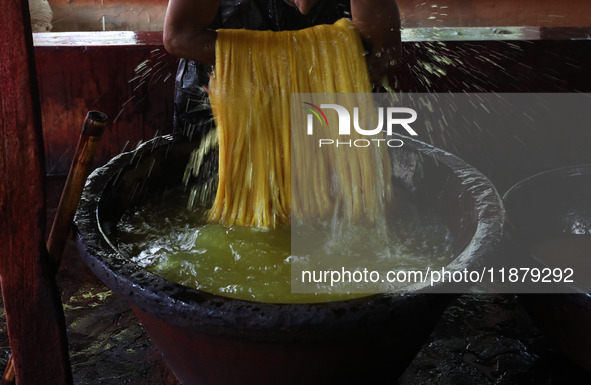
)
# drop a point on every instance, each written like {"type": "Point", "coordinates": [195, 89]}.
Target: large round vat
{"type": "Point", "coordinates": [208, 339]}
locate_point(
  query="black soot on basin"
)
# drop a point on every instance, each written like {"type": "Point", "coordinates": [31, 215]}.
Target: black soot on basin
{"type": "Point", "coordinates": [209, 339]}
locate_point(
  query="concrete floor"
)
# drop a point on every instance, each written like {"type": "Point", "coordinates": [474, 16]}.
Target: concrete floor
{"type": "Point", "coordinates": [481, 339]}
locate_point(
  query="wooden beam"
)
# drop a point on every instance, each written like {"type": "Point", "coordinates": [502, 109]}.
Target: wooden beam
{"type": "Point", "coordinates": [34, 314]}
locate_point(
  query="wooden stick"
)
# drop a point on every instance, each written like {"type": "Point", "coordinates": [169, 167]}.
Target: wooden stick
{"type": "Point", "coordinates": [92, 130]}
{"type": "Point", "coordinates": [9, 373]}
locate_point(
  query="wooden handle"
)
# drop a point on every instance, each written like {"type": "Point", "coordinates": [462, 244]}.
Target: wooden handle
{"type": "Point", "coordinates": [92, 130]}
{"type": "Point", "coordinates": [9, 373]}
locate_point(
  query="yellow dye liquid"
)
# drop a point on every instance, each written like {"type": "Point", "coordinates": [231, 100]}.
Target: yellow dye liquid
{"type": "Point", "coordinates": [254, 264]}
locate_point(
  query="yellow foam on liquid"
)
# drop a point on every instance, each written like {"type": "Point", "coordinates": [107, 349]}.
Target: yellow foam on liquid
{"type": "Point", "coordinates": [254, 264]}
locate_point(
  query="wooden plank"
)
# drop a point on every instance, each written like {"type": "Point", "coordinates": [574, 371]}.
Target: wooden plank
{"type": "Point", "coordinates": [34, 313]}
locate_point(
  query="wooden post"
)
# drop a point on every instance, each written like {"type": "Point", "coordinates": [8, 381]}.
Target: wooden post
{"type": "Point", "coordinates": [34, 314]}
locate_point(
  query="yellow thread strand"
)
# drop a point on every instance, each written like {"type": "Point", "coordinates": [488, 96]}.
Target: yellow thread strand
{"type": "Point", "coordinates": [256, 74]}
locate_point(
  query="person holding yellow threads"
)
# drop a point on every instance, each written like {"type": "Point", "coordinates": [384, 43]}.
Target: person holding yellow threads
{"type": "Point", "coordinates": [190, 34]}
{"type": "Point", "coordinates": [257, 73]}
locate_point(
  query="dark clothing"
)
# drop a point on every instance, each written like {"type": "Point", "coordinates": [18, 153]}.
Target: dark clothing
{"type": "Point", "coordinates": [191, 105]}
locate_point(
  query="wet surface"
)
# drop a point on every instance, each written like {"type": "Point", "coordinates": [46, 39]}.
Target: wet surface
{"type": "Point", "coordinates": [107, 343]}
{"type": "Point", "coordinates": [481, 339]}
{"type": "Point", "coordinates": [490, 339]}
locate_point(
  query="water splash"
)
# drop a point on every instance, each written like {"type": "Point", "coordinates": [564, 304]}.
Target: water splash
{"type": "Point", "coordinates": [200, 173]}
{"type": "Point", "coordinates": [148, 74]}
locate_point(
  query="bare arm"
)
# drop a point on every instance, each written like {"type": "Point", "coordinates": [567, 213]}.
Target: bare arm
{"type": "Point", "coordinates": [185, 29]}
{"type": "Point", "coordinates": [378, 23]}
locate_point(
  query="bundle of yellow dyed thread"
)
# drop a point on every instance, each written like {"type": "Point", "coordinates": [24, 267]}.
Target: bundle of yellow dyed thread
{"type": "Point", "coordinates": [255, 75]}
